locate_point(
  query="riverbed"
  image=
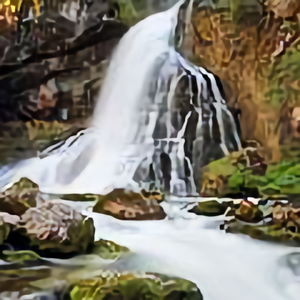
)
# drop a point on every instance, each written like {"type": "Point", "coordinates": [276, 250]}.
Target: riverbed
{"type": "Point", "coordinates": [223, 265]}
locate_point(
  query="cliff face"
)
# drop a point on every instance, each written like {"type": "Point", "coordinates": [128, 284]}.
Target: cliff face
{"type": "Point", "coordinates": [53, 59]}
{"type": "Point", "coordinates": [54, 55]}
{"type": "Point", "coordinates": [254, 48]}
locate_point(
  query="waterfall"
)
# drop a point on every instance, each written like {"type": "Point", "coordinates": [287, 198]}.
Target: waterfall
{"type": "Point", "coordinates": [157, 121]}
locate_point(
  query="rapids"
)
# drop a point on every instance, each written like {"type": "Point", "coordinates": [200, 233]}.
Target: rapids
{"type": "Point", "coordinates": [224, 266]}
{"type": "Point", "coordinates": [158, 119]}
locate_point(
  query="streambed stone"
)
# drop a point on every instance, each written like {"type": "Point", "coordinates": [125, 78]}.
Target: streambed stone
{"type": "Point", "coordinates": [131, 206]}
{"type": "Point", "coordinates": [16, 199]}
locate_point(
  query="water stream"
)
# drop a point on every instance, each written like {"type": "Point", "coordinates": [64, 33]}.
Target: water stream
{"type": "Point", "coordinates": [158, 119]}
{"type": "Point", "coordinates": [223, 266]}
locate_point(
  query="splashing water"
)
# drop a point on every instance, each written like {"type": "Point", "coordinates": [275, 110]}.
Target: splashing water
{"type": "Point", "coordinates": [224, 266]}
{"type": "Point", "coordinates": [158, 120]}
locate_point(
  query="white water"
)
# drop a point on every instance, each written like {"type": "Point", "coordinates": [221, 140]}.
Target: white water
{"type": "Point", "coordinates": [223, 266]}
{"type": "Point", "coordinates": [138, 93]}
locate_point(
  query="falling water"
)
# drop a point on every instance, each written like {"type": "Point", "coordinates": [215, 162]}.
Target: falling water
{"type": "Point", "coordinates": [158, 119]}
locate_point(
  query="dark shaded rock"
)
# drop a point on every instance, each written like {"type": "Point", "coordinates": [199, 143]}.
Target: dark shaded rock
{"type": "Point", "coordinates": [210, 208]}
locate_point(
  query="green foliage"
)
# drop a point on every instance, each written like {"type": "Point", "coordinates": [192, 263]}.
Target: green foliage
{"type": "Point", "coordinates": [288, 65]}
{"type": "Point", "coordinates": [222, 166]}
{"type": "Point", "coordinates": [285, 71]}
{"type": "Point", "coordinates": [128, 13]}
{"type": "Point", "coordinates": [279, 178]}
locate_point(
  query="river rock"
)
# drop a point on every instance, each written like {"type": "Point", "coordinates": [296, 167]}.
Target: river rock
{"type": "Point", "coordinates": [19, 197]}
{"type": "Point", "coordinates": [134, 286]}
{"type": "Point", "coordinates": [131, 206]}
{"type": "Point", "coordinates": [55, 228]}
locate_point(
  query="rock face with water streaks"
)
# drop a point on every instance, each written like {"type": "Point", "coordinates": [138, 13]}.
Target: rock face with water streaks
{"type": "Point", "coordinates": [158, 120]}
{"type": "Point", "coordinates": [192, 127]}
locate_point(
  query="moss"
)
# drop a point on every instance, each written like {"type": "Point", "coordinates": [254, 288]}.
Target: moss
{"type": "Point", "coordinates": [282, 178]}
{"type": "Point", "coordinates": [129, 286]}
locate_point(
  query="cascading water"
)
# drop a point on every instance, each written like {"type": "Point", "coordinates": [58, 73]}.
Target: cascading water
{"type": "Point", "coordinates": [158, 120]}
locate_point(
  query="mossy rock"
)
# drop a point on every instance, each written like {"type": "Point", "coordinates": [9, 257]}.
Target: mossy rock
{"type": "Point", "coordinates": [239, 172]}
{"type": "Point", "coordinates": [281, 222]}
{"type": "Point", "coordinates": [19, 197]}
{"type": "Point", "coordinates": [17, 281]}
{"type": "Point", "coordinates": [248, 212]}
{"type": "Point", "coordinates": [53, 229]}
{"type": "Point", "coordinates": [131, 206]}
{"type": "Point", "coordinates": [109, 250]}
{"type": "Point", "coordinates": [131, 286]}
{"type": "Point", "coordinates": [268, 232]}
{"type": "Point", "coordinates": [210, 208]}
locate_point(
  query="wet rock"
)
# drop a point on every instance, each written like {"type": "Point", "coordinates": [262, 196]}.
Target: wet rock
{"type": "Point", "coordinates": [210, 208]}
{"type": "Point", "coordinates": [109, 250]}
{"type": "Point", "coordinates": [248, 212]}
{"type": "Point", "coordinates": [56, 283]}
{"type": "Point", "coordinates": [55, 229]}
{"type": "Point", "coordinates": [279, 222]}
{"type": "Point", "coordinates": [19, 197]}
{"type": "Point", "coordinates": [131, 206]}
{"type": "Point", "coordinates": [133, 286]}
